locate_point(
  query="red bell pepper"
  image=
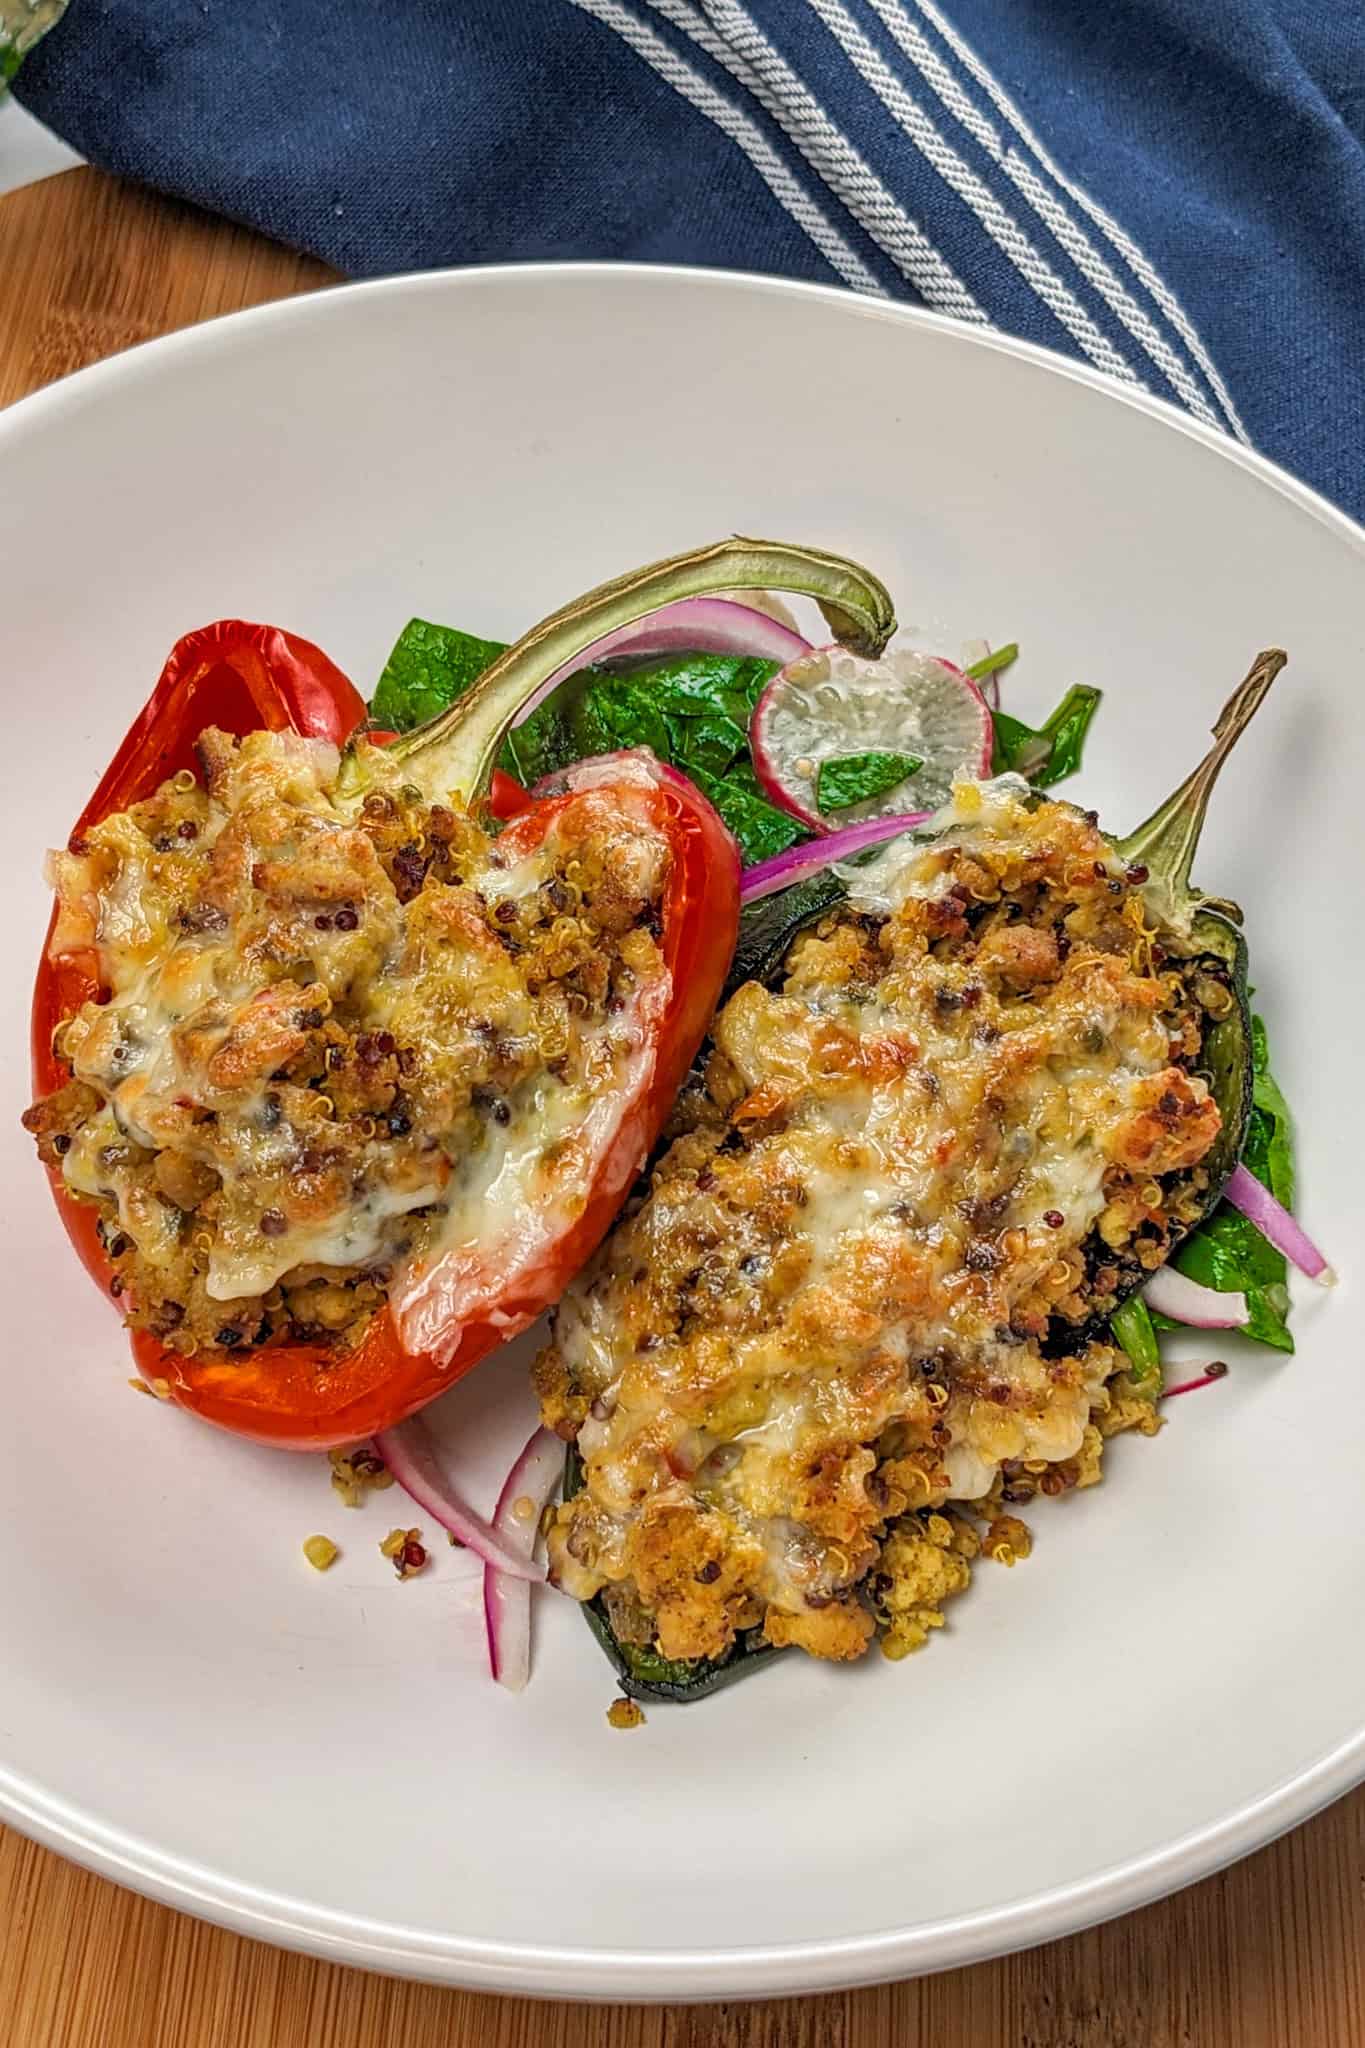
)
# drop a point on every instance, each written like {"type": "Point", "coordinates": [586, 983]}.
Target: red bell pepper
{"type": "Point", "coordinates": [242, 677]}
{"type": "Point", "coordinates": [233, 675]}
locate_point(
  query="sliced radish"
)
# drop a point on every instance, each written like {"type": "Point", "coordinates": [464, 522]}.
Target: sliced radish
{"type": "Point", "coordinates": [829, 705]}
{"type": "Point", "coordinates": [1174, 1294]}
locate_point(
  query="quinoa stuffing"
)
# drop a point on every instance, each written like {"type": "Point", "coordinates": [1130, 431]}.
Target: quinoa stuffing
{"type": "Point", "coordinates": [338, 1034]}
{"type": "Point", "coordinates": [859, 1314]}
{"type": "Point", "coordinates": [358, 1473]}
{"type": "Point", "coordinates": [406, 1552]}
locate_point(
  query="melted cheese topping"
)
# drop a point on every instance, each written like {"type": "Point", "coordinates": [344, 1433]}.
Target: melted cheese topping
{"type": "Point", "coordinates": [849, 1287]}
{"type": "Point", "coordinates": [346, 1035]}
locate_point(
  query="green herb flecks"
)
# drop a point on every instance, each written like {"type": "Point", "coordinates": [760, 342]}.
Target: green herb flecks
{"type": "Point", "coordinates": [993, 663]}
{"type": "Point", "coordinates": [1050, 752]}
{"type": "Point", "coordinates": [845, 779]}
{"type": "Point", "coordinates": [22, 24]}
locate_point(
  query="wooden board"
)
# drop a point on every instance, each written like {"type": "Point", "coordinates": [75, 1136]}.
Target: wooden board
{"type": "Point", "coordinates": [1266, 1956]}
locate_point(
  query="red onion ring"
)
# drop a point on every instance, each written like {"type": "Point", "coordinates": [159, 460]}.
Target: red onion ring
{"type": "Point", "coordinates": [410, 1454]}
{"type": "Point", "coordinates": [507, 1600]}
{"type": "Point", "coordinates": [798, 862]}
{"type": "Point", "coordinates": [1276, 1224]}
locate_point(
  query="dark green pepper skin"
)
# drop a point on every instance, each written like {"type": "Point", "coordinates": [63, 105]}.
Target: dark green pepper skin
{"type": "Point", "coordinates": [1208, 932]}
{"type": "Point", "coordinates": [642, 1673]}
{"type": "Point", "coordinates": [646, 1676]}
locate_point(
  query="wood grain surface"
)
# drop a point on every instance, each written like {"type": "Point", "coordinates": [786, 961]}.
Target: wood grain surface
{"type": "Point", "coordinates": [1266, 1956]}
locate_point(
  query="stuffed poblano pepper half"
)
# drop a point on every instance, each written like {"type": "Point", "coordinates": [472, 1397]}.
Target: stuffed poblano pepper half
{"type": "Point", "coordinates": [962, 1099]}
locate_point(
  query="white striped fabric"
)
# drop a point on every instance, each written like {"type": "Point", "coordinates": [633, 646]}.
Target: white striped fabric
{"type": "Point", "coordinates": [1067, 231]}
{"type": "Point", "coordinates": [1089, 273]}
{"type": "Point", "coordinates": [733, 39]}
{"type": "Point", "coordinates": [1138, 262]}
{"type": "Point", "coordinates": [744, 132]}
{"type": "Point", "coordinates": [1003, 229]}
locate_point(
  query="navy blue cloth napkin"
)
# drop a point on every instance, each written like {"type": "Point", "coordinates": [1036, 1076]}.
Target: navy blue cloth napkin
{"type": "Point", "coordinates": [1173, 190]}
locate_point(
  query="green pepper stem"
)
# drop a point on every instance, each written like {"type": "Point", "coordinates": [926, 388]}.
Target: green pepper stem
{"type": "Point", "coordinates": [1166, 843]}
{"type": "Point", "coordinates": [458, 750]}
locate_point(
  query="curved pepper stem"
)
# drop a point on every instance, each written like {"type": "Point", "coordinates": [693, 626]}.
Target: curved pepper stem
{"type": "Point", "coordinates": [1166, 843]}
{"type": "Point", "coordinates": [459, 749]}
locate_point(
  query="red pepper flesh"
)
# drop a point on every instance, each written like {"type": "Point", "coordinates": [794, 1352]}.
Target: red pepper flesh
{"type": "Point", "coordinates": [306, 1396]}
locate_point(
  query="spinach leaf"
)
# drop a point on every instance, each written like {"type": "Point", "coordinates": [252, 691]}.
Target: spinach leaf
{"type": "Point", "coordinates": [1268, 1097]}
{"type": "Point", "coordinates": [1047, 753]}
{"type": "Point", "coordinates": [1134, 1329]}
{"type": "Point", "coordinates": [692, 685]}
{"type": "Point", "coordinates": [1228, 1252]}
{"type": "Point", "coordinates": [761, 829]}
{"type": "Point", "coordinates": [693, 715]}
{"type": "Point", "coordinates": [591, 713]}
{"type": "Point", "coordinates": [430, 667]}
{"type": "Point", "coordinates": [708, 744]}
{"type": "Point", "coordinates": [845, 779]}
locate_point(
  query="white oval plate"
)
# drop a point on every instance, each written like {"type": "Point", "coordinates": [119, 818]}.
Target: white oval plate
{"type": "Point", "coordinates": [1175, 1675]}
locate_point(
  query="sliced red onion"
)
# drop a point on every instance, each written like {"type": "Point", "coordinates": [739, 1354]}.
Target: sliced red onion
{"type": "Point", "coordinates": [1184, 1300]}
{"type": "Point", "coordinates": [800, 861]}
{"type": "Point", "coordinates": [410, 1454]}
{"type": "Point", "coordinates": [1274, 1222]}
{"type": "Point", "coordinates": [516, 1518]}
{"type": "Point", "coordinates": [691, 625]}
{"type": "Point", "coordinates": [1208, 1376]}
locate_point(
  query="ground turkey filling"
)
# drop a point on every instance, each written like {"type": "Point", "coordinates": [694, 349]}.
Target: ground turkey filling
{"type": "Point", "coordinates": [859, 1312]}
{"type": "Point", "coordinates": [330, 1027]}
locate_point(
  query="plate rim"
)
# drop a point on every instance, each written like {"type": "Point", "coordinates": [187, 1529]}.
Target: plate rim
{"type": "Point", "coordinates": [609, 1975]}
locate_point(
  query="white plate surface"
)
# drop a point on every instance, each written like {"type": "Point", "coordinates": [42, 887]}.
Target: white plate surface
{"type": "Point", "coordinates": [1176, 1674]}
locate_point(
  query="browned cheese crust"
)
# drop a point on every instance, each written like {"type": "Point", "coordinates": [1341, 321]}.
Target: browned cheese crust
{"type": "Point", "coordinates": [859, 1309]}
{"type": "Point", "coordinates": [329, 1025]}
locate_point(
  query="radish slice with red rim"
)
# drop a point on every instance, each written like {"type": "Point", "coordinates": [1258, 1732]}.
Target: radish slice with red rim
{"type": "Point", "coordinates": [830, 708]}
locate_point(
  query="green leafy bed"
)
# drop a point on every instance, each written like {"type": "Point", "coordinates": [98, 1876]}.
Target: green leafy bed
{"type": "Point", "coordinates": [693, 711]}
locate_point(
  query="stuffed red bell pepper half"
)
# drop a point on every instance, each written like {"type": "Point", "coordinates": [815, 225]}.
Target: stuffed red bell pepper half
{"type": "Point", "coordinates": [347, 1053]}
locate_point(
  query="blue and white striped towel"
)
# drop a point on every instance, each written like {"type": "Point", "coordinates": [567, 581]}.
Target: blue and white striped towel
{"type": "Point", "coordinates": [1172, 189]}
